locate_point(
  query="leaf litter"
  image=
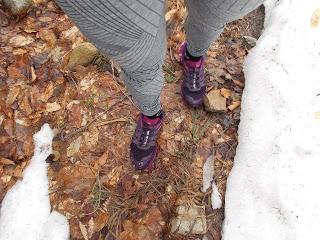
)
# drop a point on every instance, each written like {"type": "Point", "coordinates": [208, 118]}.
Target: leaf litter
{"type": "Point", "coordinates": [91, 178]}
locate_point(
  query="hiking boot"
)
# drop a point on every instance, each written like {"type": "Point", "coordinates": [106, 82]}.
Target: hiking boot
{"type": "Point", "coordinates": [193, 86]}
{"type": "Point", "coordinates": [143, 147]}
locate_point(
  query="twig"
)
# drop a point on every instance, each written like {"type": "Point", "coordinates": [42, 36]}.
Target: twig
{"type": "Point", "coordinates": [118, 85]}
{"type": "Point", "coordinates": [224, 160]}
{"type": "Point", "coordinates": [96, 172]}
{"type": "Point", "coordinates": [6, 14]}
{"type": "Point", "coordinates": [93, 120]}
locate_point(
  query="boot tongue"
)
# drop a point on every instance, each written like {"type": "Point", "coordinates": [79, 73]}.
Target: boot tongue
{"type": "Point", "coordinates": [150, 121]}
{"type": "Point", "coordinates": [194, 64]}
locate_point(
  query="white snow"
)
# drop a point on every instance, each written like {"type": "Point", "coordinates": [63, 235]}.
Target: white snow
{"type": "Point", "coordinates": [25, 212]}
{"type": "Point", "coordinates": [208, 180]}
{"type": "Point", "coordinates": [273, 188]}
{"type": "Point", "coordinates": [208, 171]}
{"type": "Point", "coordinates": [216, 201]}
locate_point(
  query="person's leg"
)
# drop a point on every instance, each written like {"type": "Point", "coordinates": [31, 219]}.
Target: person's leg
{"type": "Point", "coordinates": [205, 21]}
{"type": "Point", "coordinates": [207, 18]}
{"type": "Point", "coordinates": [132, 33]}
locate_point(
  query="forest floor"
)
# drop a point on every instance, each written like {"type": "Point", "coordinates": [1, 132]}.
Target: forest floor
{"type": "Point", "coordinates": [92, 181]}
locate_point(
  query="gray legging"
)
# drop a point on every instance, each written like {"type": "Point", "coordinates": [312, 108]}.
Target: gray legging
{"type": "Point", "coordinates": [132, 33]}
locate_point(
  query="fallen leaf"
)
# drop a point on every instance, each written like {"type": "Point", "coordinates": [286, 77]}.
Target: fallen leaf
{"type": "Point", "coordinates": [52, 107]}
{"type": "Point", "coordinates": [241, 84]}
{"type": "Point", "coordinates": [74, 147]}
{"type": "Point", "coordinates": [48, 36]}
{"type": "Point", "coordinates": [6, 161]}
{"type": "Point", "coordinates": [102, 160]}
{"type": "Point", "coordinates": [33, 74]}
{"type": "Point", "coordinates": [234, 105]}
{"type": "Point", "coordinates": [28, 145]}
{"type": "Point", "coordinates": [47, 93]}
{"type": "Point", "coordinates": [20, 51]}
{"type": "Point", "coordinates": [91, 138]}
{"type": "Point", "coordinates": [135, 231]}
{"type": "Point", "coordinates": [20, 41]}
{"type": "Point", "coordinates": [225, 92]}
{"type": "Point", "coordinates": [45, 19]}
{"type": "Point", "coordinates": [212, 54]}
{"type": "Point", "coordinates": [317, 115]}
{"type": "Point", "coordinates": [83, 231]}
{"type": "Point", "coordinates": [12, 96]}
{"type": "Point", "coordinates": [24, 103]}
{"type": "Point", "coordinates": [17, 173]}
{"type": "Point", "coordinates": [29, 25]}
{"type": "Point", "coordinates": [100, 222]}
{"type": "Point", "coordinates": [169, 15]}
{"type": "Point", "coordinates": [315, 18]}
{"type": "Point", "coordinates": [74, 117]}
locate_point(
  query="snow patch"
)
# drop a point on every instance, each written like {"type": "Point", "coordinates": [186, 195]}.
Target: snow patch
{"type": "Point", "coordinates": [208, 180]}
{"type": "Point", "coordinates": [25, 211]}
{"type": "Point", "coordinates": [272, 190]}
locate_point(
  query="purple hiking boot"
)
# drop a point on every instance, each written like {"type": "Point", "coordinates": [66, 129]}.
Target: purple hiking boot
{"type": "Point", "coordinates": [193, 86]}
{"type": "Point", "coordinates": [143, 147]}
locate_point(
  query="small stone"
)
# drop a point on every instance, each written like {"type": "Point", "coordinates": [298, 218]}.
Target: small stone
{"type": "Point", "coordinates": [82, 55]}
{"type": "Point", "coordinates": [17, 6]}
{"type": "Point", "coordinates": [250, 40]}
{"type": "Point", "coordinates": [189, 220]}
{"type": "Point", "coordinates": [215, 102]}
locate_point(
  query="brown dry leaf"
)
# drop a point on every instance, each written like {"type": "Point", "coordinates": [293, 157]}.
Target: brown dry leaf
{"type": "Point", "coordinates": [234, 105]}
{"type": "Point", "coordinates": [212, 54]}
{"type": "Point", "coordinates": [154, 221]}
{"type": "Point", "coordinates": [84, 231]}
{"type": "Point", "coordinates": [24, 103]}
{"type": "Point", "coordinates": [102, 160]}
{"type": "Point", "coordinates": [6, 161]}
{"type": "Point", "coordinates": [28, 25]}
{"type": "Point", "coordinates": [48, 36]}
{"type": "Point", "coordinates": [20, 41]}
{"type": "Point", "coordinates": [47, 92]}
{"type": "Point", "coordinates": [18, 173]}
{"type": "Point", "coordinates": [100, 222]}
{"type": "Point", "coordinates": [70, 34]}
{"type": "Point", "coordinates": [33, 74]}
{"type": "Point", "coordinates": [74, 147]}
{"type": "Point", "coordinates": [315, 18]}
{"type": "Point", "coordinates": [31, 100]}
{"type": "Point", "coordinates": [20, 51]}
{"type": "Point", "coordinates": [32, 119]}
{"type": "Point", "coordinates": [172, 146]}
{"type": "Point", "coordinates": [14, 70]}
{"type": "Point", "coordinates": [45, 19]}
{"type": "Point", "coordinates": [8, 125]}
{"type": "Point", "coordinates": [225, 92]}
{"type": "Point", "coordinates": [12, 96]}
{"type": "Point", "coordinates": [28, 146]}
{"type": "Point", "coordinates": [241, 84]}
{"type": "Point", "coordinates": [134, 231]}
{"type": "Point", "coordinates": [52, 107]}
{"type": "Point", "coordinates": [91, 138]}
{"type": "Point", "coordinates": [129, 186]}
{"type": "Point", "coordinates": [141, 210]}
{"type": "Point", "coordinates": [114, 176]}
{"type": "Point", "coordinates": [169, 15]}
{"type": "Point", "coordinates": [74, 117]}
